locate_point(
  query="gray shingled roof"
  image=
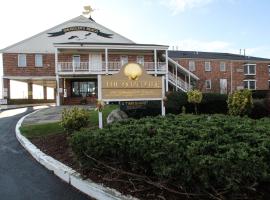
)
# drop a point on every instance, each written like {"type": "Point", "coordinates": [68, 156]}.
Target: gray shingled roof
{"type": "Point", "coordinates": [212, 55]}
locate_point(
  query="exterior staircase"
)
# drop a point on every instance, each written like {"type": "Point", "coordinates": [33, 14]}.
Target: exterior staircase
{"type": "Point", "coordinates": [178, 82]}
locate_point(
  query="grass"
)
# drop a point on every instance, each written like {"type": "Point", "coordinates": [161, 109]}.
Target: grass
{"type": "Point", "coordinates": [46, 129]}
{"type": "Point", "coordinates": [94, 115]}
{"type": "Point", "coordinates": [41, 130]}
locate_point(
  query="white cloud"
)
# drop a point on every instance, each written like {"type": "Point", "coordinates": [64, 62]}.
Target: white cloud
{"type": "Point", "coordinates": [181, 5]}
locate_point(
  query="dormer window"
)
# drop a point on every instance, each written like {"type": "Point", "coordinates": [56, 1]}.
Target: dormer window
{"type": "Point", "coordinates": [250, 69]}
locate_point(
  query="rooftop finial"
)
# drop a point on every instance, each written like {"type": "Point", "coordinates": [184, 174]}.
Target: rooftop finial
{"type": "Point", "coordinates": [88, 11]}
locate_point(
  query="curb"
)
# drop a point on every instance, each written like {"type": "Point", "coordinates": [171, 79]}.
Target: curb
{"type": "Point", "coordinates": [67, 174]}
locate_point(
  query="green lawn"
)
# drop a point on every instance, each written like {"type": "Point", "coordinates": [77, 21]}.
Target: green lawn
{"type": "Point", "coordinates": [38, 130]}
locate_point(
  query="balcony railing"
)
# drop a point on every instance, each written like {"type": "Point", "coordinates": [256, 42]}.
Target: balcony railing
{"type": "Point", "coordinates": [86, 67]}
{"type": "Point", "coordinates": [178, 82]}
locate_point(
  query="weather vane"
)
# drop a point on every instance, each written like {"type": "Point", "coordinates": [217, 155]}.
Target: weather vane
{"type": "Point", "coordinates": [88, 10]}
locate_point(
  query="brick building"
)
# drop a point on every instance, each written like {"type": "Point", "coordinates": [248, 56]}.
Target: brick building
{"type": "Point", "coordinates": [225, 72]}
{"type": "Point", "coordinates": [70, 57]}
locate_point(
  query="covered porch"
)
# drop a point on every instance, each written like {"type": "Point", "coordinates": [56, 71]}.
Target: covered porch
{"type": "Point", "coordinates": [29, 90]}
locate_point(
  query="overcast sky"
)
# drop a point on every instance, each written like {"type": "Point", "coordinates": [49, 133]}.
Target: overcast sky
{"type": "Point", "coordinates": [207, 25]}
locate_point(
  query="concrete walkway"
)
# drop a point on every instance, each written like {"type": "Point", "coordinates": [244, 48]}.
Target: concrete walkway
{"type": "Point", "coordinates": [8, 107]}
{"type": "Point", "coordinates": [51, 114]}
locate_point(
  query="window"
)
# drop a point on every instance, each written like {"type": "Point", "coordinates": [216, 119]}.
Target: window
{"type": "Point", "coordinates": [76, 59]}
{"type": "Point", "coordinates": [207, 66]}
{"type": "Point", "coordinates": [123, 60]}
{"type": "Point", "coordinates": [83, 88]}
{"type": "Point", "coordinates": [22, 60]}
{"type": "Point", "coordinates": [191, 65]}
{"type": "Point", "coordinates": [269, 84]}
{"type": "Point", "coordinates": [208, 84]}
{"type": "Point", "coordinates": [140, 60]}
{"type": "Point", "coordinates": [250, 84]}
{"type": "Point", "coordinates": [38, 60]}
{"type": "Point", "coordinates": [250, 69]}
{"type": "Point", "coordinates": [222, 67]}
{"type": "Point", "coordinates": [269, 69]}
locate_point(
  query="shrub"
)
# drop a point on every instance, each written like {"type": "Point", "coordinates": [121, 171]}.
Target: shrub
{"type": "Point", "coordinates": [175, 101]}
{"type": "Point", "coordinates": [151, 108]}
{"type": "Point", "coordinates": [74, 119]}
{"type": "Point", "coordinates": [211, 103]}
{"type": "Point", "coordinates": [240, 102]}
{"type": "Point", "coordinates": [195, 97]}
{"type": "Point", "coordinates": [196, 153]}
{"type": "Point", "coordinates": [260, 94]}
{"type": "Point", "coordinates": [259, 109]}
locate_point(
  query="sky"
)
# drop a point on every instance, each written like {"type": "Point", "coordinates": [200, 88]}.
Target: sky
{"type": "Point", "coordinates": [200, 25]}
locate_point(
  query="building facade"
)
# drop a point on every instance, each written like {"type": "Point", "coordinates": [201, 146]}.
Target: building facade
{"type": "Point", "coordinates": [70, 57]}
{"type": "Point", "coordinates": [224, 72]}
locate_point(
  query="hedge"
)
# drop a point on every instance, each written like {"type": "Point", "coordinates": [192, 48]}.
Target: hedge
{"type": "Point", "coordinates": [199, 153]}
{"type": "Point", "coordinates": [212, 103]}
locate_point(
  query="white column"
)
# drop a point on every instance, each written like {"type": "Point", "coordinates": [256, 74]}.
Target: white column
{"type": "Point", "coordinates": [163, 111]}
{"type": "Point", "coordinates": [57, 91]}
{"type": "Point", "coordinates": [56, 60]}
{"type": "Point", "coordinates": [155, 60]}
{"type": "Point", "coordinates": [100, 122]}
{"type": "Point", "coordinates": [176, 78]}
{"type": "Point", "coordinates": [57, 77]}
{"type": "Point", "coordinates": [106, 60]}
{"type": "Point", "coordinates": [167, 68]}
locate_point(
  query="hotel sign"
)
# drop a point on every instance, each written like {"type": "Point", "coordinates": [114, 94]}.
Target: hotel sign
{"type": "Point", "coordinates": [131, 83]}
{"type": "Point", "coordinates": [80, 28]}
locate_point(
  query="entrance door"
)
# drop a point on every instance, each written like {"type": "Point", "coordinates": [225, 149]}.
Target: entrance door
{"type": "Point", "coordinates": [95, 62]}
{"type": "Point", "coordinates": [223, 86]}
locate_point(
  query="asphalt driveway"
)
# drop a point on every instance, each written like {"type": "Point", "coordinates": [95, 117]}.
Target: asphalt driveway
{"type": "Point", "coordinates": [21, 177]}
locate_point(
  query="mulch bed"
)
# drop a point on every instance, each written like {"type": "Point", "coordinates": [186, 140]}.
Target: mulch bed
{"type": "Point", "coordinates": [113, 176]}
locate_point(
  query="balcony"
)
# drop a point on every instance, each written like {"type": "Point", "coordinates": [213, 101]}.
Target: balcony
{"type": "Point", "coordinates": [113, 67]}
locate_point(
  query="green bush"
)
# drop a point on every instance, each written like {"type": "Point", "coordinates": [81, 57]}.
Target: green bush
{"type": "Point", "coordinates": [211, 103]}
{"type": "Point", "coordinates": [195, 98]}
{"type": "Point", "coordinates": [196, 153]}
{"type": "Point", "coordinates": [74, 119]}
{"type": "Point", "coordinates": [240, 102]}
{"type": "Point", "coordinates": [259, 109]}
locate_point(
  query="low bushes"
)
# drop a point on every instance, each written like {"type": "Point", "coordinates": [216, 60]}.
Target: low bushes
{"type": "Point", "coordinates": [199, 154]}
{"type": "Point", "coordinates": [74, 119]}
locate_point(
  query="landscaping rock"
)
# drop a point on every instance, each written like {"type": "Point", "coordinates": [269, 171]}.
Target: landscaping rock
{"type": "Point", "coordinates": [116, 115]}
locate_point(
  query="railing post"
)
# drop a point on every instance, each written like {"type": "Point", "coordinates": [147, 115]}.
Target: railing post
{"type": "Point", "coordinates": [106, 60]}
{"type": "Point", "coordinates": [155, 60]}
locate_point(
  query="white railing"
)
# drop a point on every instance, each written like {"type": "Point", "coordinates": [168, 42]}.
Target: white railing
{"type": "Point", "coordinates": [178, 82]}
{"type": "Point", "coordinates": [70, 67]}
